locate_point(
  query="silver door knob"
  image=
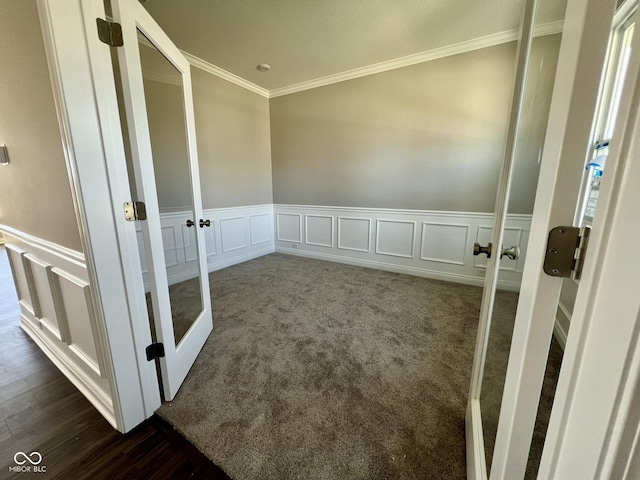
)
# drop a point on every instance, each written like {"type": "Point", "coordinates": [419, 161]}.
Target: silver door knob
{"type": "Point", "coordinates": [205, 223]}
{"type": "Point", "coordinates": [190, 223]}
{"type": "Point", "coordinates": [512, 252]}
{"type": "Point", "coordinates": [478, 249]}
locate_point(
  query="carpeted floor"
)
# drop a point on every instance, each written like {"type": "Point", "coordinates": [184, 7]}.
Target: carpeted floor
{"type": "Point", "coordinates": [317, 370]}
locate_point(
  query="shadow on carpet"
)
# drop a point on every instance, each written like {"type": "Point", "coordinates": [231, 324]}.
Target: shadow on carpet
{"type": "Point", "coordinates": [317, 370]}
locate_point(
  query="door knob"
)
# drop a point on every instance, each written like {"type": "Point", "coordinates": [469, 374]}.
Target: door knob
{"type": "Point", "coordinates": [205, 223]}
{"type": "Point", "coordinates": [478, 249]}
{"type": "Point", "coordinates": [512, 252]}
{"type": "Point", "coordinates": [190, 223]}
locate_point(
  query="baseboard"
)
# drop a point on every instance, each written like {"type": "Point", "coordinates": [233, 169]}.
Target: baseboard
{"type": "Point", "coordinates": [395, 268]}
{"type": "Point", "coordinates": [241, 258]}
{"type": "Point", "coordinates": [70, 370]}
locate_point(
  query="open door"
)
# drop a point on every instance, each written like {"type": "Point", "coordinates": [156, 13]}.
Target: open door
{"type": "Point", "coordinates": [561, 202]}
{"type": "Point", "coordinates": [156, 89]}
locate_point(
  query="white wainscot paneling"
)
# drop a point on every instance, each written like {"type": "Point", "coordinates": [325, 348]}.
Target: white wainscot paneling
{"type": "Point", "coordinates": [170, 245]}
{"type": "Point", "coordinates": [289, 227]}
{"type": "Point", "coordinates": [75, 300]}
{"type": "Point", "coordinates": [512, 237]}
{"type": "Point", "coordinates": [44, 283]}
{"type": "Point", "coordinates": [395, 238]}
{"type": "Point", "coordinates": [318, 230]}
{"type": "Point", "coordinates": [354, 234]}
{"type": "Point", "coordinates": [444, 242]}
{"type": "Point", "coordinates": [433, 244]}
{"type": "Point", "coordinates": [234, 234]}
{"type": "Point", "coordinates": [58, 313]}
{"type": "Point", "coordinates": [210, 240]}
{"type": "Point", "coordinates": [16, 261]}
{"type": "Point", "coordinates": [260, 228]}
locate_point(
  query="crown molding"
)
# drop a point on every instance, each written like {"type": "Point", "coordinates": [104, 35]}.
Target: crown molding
{"type": "Point", "coordinates": [436, 53]}
{"type": "Point", "coordinates": [228, 76]}
{"type": "Point", "coordinates": [455, 49]}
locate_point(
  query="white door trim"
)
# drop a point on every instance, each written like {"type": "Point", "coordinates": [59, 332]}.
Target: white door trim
{"type": "Point", "coordinates": [84, 93]}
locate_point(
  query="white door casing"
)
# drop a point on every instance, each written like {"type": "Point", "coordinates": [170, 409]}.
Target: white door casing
{"type": "Point", "coordinates": [179, 358]}
{"type": "Point", "coordinates": [84, 92]}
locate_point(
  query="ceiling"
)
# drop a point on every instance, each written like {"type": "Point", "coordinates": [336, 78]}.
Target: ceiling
{"type": "Point", "coordinates": [304, 40]}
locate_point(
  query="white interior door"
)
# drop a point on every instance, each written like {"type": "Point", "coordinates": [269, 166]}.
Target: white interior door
{"type": "Point", "coordinates": [156, 88]}
{"type": "Point", "coordinates": [568, 147]}
{"type": "Point", "coordinates": [476, 459]}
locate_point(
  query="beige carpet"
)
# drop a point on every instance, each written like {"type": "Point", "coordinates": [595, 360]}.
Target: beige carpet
{"type": "Point", "coordinates": [317, 370]}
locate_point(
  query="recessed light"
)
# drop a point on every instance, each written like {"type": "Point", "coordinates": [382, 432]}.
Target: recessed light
{"type": "Point", "coordinates": [263, 67]}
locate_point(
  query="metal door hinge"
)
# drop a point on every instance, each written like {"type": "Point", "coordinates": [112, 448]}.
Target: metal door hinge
{"type": "Point", "coordinates": [135, 211]}
{"type": "Point", "coordinates": [109, 32]}
{"type": "Point", "coordinates": [566, 250]}
{"type": "Point", "coordinates": [155, 350]}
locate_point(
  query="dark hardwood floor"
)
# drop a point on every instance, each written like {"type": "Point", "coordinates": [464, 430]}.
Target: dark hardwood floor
{"type": "Point", "coordinates": [41, 411]}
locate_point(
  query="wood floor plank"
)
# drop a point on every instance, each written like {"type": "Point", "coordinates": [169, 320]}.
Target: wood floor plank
{"type": "Point", "coordinates": [5, 433]}
{"type": "Point", "coordinates": [18, 404]}
{"type": "Point", "coordinates": [13, 389]}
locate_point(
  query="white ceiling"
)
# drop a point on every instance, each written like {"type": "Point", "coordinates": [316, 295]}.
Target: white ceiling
{"type": "Point", "coordinates": [304, 40]}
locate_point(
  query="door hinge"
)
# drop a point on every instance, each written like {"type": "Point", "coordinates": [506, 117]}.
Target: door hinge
{"type": "Point", "coordinates": [155, 350]}
{"type": "Point", "coordinates": [566, 250]}
{"type": "Point", "coordinates": [109, 32]}
{"type": "Point", "coordinates": [135, 211]}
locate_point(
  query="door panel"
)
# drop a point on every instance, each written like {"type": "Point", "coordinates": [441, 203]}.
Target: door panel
{"type": "Point", "coordinates": [476, 457]}
{"type": "Point", "coordinates": [156, 84]}
{"type": "Point", "coordinates": [566, 150]}
{"type": "Point", "coordinates": [538, 90]}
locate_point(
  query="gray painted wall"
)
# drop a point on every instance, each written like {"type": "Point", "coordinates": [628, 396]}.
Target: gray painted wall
{"type": "Point", "coordinates": [35, 194]}
{"type": "Point", "coordinates": [428, 136]}
{"type": "Point", "coordinates": [234, 144]}
{"type": "Point", "coordinates": [234, 149]}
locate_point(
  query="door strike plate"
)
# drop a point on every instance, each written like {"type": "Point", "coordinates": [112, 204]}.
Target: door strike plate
{"type": "Point", "coordinates": [566, 249]}
{"type": "Point", "coordinates": [134, 211]}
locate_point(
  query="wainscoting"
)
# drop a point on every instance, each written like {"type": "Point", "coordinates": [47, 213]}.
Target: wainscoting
{"type": "Point", "coordinates": [431, 244]}
{"type": "Point", "coordinates": [236, 234]}
{"type": "Point", "coordinates": [58, 313]}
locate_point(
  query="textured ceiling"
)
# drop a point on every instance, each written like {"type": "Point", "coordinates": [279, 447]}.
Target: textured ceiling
{"type": "Point", "coordinates": [304, 40]}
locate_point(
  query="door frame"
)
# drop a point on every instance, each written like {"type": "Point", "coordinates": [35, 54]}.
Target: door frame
{"type": "Point", "coordinates": [85, 99]}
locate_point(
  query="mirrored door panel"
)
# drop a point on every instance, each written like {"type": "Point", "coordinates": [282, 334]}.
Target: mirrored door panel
{"type": "Point", "coordinates": [529, 144]}
{"type": "Point", "coordinates": [164, 96]}
{"type": "Point", "coordinates": [158, 101]}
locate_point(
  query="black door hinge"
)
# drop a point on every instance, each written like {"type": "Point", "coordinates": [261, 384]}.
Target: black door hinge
{"type": "Point", "coordinates": [155, 350]}
{"type": "Point", "coordinates": [109, 32]}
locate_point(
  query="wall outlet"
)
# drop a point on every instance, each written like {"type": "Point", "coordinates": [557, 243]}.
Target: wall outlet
{"type": "Point", "coordinates": [294, 245]}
